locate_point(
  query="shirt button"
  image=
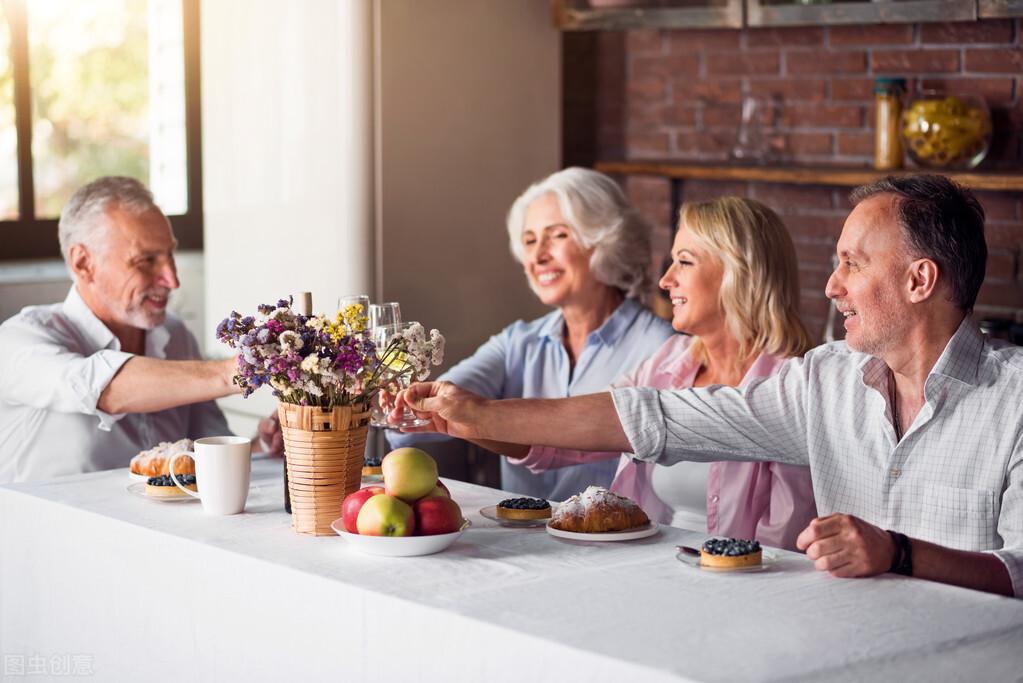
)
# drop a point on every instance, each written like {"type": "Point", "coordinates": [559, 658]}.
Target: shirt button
{"type": "Point", "coordinates": [896, 471]}
{"type": "Point", "coordinates": [713, 499]}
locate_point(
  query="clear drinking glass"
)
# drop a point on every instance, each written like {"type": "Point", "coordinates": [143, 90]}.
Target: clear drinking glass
{"type": "Point", "coordinates": [396, 367]}
{"type": "Point", "coordinates": [360, 300]}
{"type": "Point", "coordinates": [382, 315]}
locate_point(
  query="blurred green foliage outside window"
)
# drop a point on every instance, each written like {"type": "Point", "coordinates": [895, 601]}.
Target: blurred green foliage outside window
{"type": "Point", "coordinates": [107, 92]}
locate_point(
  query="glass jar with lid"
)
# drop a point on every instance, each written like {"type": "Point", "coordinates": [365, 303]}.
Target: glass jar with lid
{"type": "Point", "coordinates": [888, 106]}
{"type": "Point", "coordinates": [947, 131]}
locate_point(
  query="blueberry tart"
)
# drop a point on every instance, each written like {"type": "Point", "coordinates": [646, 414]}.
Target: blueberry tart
{"type": "Point", "coordinates": [371, 467]}
{"type": "Point", "coordinates": [730, 553]}
{"type": "Point", "coordinates": [163, 487]}
{"type": "Point", "coordinates": [524, 508]}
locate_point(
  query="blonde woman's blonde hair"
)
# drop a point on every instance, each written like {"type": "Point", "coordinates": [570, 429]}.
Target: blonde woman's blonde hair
{"type": "Point", "coordinates": [760, 283]}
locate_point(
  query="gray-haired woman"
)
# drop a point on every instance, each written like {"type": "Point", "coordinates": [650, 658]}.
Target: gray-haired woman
{"type": "Point", "coordinates": [585, 253]}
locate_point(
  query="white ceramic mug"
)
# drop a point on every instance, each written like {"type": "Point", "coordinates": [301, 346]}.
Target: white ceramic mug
{"type": "Point", "coordinates": [223, 467]}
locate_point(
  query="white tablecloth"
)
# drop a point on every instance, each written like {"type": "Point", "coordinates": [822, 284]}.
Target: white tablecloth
{"type": "Point", "coordinates": [135, 588]}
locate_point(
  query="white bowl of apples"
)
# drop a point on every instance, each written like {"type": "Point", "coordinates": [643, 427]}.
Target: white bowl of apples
{"type": "Point", "coordinates": [411, 514]}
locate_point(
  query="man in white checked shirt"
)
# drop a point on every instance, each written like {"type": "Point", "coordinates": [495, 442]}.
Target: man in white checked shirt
{"type": "Point", "coordinates": [912, 427]}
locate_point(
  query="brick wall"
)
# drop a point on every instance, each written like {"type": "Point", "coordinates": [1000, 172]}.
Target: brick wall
{"type": "Point", "coordinates": [677, 94]}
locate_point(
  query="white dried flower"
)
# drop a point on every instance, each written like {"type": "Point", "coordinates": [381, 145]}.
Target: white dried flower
{"type": "Point", "coordinates": [289, 339]}
{"type": "Point", "coordinates": [310, 364]}
{"type": "Point", "coordinates": [416, 333]}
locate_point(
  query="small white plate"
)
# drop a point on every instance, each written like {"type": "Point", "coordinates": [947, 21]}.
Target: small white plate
{"type": "Point", "coordinates": [627, 535]}
{"type": "Point", "coordinates": [768, 560]}
{"type": "Point", "coordinates": [139, 489]}
{"type": "Point", "coordinates": [399, 546]}
{"type": "Point", "coordinates": [490, 512]}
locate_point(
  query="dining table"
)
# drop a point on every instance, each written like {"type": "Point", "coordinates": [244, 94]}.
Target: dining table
{"type": "Point", "coordinates": [97, 580]}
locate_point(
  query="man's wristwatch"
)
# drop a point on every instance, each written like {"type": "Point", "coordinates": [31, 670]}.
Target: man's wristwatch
{"type": "Point", "coordinates": [902, 561]}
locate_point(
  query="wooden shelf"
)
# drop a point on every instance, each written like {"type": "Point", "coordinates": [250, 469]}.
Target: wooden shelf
{"type": "Point", "coordinates": [578, 15]}
{"type": "Point", "coordinates": [767, 13]}
{"type": "Point", "coordinates": [841, 176]}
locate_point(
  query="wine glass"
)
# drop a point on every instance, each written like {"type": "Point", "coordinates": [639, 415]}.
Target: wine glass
{"type": "Point", "coordinates": [396, 365]}
{"type": "Point", "coordinates": [383, 315]}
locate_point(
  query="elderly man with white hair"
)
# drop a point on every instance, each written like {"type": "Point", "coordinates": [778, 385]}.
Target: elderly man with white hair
{"type": "Point", "coordinates": [89, 382]}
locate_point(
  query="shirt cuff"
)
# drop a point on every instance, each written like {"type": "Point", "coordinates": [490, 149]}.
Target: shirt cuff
{"type": "Point", "coordinates": [639, 411]}
{"type": "Point", "coordinates": [1013, 561]}
{"type": "Point", "coordinates": [90, 383]}
{"type": "Point", "coordinates": [535, 460]}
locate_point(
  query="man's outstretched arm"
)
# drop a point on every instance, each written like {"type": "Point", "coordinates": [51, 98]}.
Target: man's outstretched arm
{"type": "Point", "coordinates": [145, 385]}
{"type": "Point", "coordinates": [587, 422]}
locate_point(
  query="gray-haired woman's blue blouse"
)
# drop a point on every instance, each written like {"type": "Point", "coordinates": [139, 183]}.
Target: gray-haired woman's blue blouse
{"type": "Point", "coordinates": [529, 360]}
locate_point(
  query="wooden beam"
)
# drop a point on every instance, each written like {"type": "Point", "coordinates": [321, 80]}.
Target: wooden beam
{"type": "Point", "coordinates": [803, 175]}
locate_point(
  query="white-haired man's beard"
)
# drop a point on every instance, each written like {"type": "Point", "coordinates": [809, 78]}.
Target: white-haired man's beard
{"type": "Point", "coordinates": [139, 316]}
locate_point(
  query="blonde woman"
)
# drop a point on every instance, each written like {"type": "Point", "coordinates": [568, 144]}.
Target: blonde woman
{"type": "Point", "coordinates": [734, 290]}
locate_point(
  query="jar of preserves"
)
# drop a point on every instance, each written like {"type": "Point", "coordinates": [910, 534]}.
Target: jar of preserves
{"type": "Point", "coordinates": [952, 132]}
{"type": "Point", "coordinates": [888, 106]}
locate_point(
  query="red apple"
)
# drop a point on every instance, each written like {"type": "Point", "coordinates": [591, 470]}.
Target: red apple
{"type": "Point", "coordinates": [384, 515]}
{"type": "Point", "coordinates": [437, 515]}
{"type": "Point", "coordinates": [409, 473]}
{"type": "Point", "coordinates": [353, 503]}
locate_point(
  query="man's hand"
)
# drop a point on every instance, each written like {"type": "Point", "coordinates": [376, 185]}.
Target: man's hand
{"type": "Point", "coordinates": [451, 409]}
{"type": "Point", "coordinates": [846, 546]}
{"type": "Point", "coordinates": [271, 436]}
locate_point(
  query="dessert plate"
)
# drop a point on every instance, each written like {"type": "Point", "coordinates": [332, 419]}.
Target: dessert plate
{"type": "Point", "coordinates": [768, 560]}
{"type": "Point", "coordinates": [139, 490]}
{"type": "Point", "coordinates": [398, 546]}
{"type": "Point", "coordinates": [627, 535]}
{"type": "Point", "coordinates": [490, 512]}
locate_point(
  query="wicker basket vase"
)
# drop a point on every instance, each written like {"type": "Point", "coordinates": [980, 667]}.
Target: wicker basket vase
{"type": "Point", "coordinates": [325, 449]}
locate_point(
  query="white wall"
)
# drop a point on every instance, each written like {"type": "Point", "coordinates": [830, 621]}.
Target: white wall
{"type": "Point", "coordinates": [458, 103]}
{"type": "Point", "coordinates": [470, 115]}
{"type": "Point", "coordinates": [287, 156]}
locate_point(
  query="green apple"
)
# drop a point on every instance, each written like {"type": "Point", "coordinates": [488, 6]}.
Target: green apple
{"type": "Point", "coordinates": [384, 515]}
{"type": "Point", "coordinates": [409, 473]}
